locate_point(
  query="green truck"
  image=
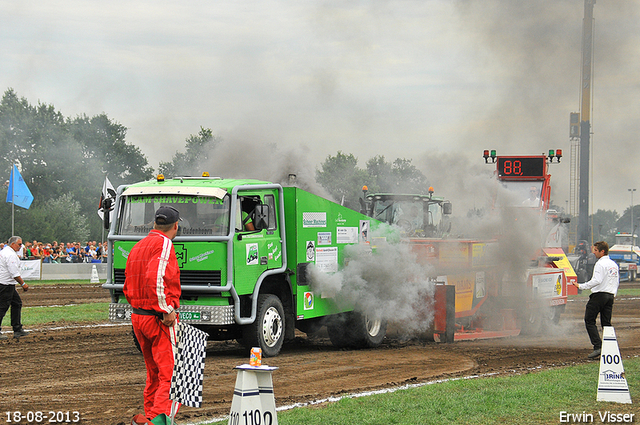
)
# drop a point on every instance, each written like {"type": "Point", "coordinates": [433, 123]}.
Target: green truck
{"type": "Point", "coordinates": [250, 285]}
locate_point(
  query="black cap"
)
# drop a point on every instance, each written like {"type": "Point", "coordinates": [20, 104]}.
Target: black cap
{"type": "Point", "coordinates": [167, 215]}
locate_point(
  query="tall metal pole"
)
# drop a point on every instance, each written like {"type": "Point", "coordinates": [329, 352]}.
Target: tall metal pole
{"type": "Point", "coordinates": [585, 123]}
{"type": "Point", "coordinates": [631, 190]}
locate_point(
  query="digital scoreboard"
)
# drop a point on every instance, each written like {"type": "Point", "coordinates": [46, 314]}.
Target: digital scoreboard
{"type": "Point", "coordinates": [521, 167]}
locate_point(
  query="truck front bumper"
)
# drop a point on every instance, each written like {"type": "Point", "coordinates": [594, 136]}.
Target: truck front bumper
{"type": "Point", "coordinates": [219, 315]}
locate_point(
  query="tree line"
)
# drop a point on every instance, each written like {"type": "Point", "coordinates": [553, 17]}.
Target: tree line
{"type": "Point", "coordinates": [64, 161]}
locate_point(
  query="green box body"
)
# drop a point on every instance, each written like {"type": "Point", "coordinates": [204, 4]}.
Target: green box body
{"type": "Point", "coordinates": [316, 232]}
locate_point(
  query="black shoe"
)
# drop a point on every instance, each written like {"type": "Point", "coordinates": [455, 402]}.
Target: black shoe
{"type": "Point", "coordinates": [20, 333]}
{"type": "Point", "coordinates": [594, 354]}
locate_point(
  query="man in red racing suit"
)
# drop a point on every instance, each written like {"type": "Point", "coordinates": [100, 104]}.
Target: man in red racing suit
{"type": "Point", "coordinates": [152, 287]}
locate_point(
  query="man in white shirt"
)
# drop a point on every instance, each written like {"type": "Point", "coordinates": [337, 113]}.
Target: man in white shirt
{"type": "Point", "coordinates": [604, 287]}
{"type": "Point", "coordinates": [9, 276]}
{"type": "Point", "coordinates": [533, 200]}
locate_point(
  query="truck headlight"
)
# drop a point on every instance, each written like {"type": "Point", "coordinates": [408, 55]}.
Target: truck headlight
{"type": "Point", "coordinates": [120, 314]}
{"type": "Point", "coordinates": [206, 316]}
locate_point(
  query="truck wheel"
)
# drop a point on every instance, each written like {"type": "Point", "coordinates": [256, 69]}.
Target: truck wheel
{"type": "Point", "coordinates": [356, 330]}
{"type": "Point", "coordinates": [632, 275]}
{"type": "Point", "coordinates": [368, 331]}
{"type": "Point", "coordinates": [531, 322]}
{"type": "Point", "coordinates": [338, 330]}
{"type": "Point", "coordinates": [553, 315]}
{"type": "Point", "coordinates": [267, 332]}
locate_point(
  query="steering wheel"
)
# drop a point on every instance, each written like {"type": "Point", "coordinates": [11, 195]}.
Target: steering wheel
{"type": "Point", "coordinates": [406, 225]}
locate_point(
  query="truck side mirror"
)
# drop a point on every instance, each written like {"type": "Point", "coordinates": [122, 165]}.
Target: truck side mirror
{"type": "Point", "coordinates": [106, 208]}
{"type": "Point", "coordinates": [261, 217]}
{"type": "Point", "coordinates": [447, 208]}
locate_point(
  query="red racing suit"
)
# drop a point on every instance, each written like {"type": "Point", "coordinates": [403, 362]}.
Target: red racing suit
{"type": "Point", "coordinates": [152, 284]}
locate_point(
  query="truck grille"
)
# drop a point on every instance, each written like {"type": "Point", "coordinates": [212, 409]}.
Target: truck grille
{"type": "Point", "coordinates": [187, 277]}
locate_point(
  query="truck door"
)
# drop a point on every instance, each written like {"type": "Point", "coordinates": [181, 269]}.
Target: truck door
{"type": "Point", "coordinates": [255, 251]}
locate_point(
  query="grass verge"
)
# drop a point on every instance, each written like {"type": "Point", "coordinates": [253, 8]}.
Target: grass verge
{"type": "Point", "coordinates": [90, 312]}
{"type": "Point", "coordinates": [533, 398]}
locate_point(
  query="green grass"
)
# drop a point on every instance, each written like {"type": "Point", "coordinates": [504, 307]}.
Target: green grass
{"type": "Point", "coordinates": [534, 398]}
{"type": "Point", "coordinates": [90, 312]}
{"type": "Point", "coordinates": [626, 292]}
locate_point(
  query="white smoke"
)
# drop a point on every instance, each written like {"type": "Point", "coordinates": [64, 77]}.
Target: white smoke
{"type": "Point", "coordinates": [388, 282]}
{"type": "Point", "coordinates": [238, 159]}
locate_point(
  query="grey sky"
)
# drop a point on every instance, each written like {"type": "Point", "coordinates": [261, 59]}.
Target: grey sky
{"type": "Point", "coordinates": [434, 81]}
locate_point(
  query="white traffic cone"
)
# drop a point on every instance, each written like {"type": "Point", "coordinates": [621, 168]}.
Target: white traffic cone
{"type": "Point", "coordinates": [612, 384]}
{"type": "Point", "coordinates": [94, 275]}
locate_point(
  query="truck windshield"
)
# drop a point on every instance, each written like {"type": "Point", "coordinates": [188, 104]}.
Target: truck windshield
{"type": "Point", "coordinates": [201, 215]}
{"type": "Point", "coordinates": [402, 213]}
{"type": "Point", "coordinates": [520, 194]}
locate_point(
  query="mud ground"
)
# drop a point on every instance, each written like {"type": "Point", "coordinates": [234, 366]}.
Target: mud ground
{"type": "Point", "coordinates": [97, 371]}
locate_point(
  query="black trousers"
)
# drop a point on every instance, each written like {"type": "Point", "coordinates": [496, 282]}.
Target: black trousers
{"type": "Point", "coordinates": [599, 303]}
{"type": "Point", "coordinates": [9, 298]}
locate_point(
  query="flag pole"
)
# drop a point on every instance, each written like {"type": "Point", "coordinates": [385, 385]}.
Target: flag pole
{"type": "Point", "coordinates": [13, 185]}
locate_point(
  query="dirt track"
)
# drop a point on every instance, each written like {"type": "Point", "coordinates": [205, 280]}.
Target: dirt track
{"type": "Point", "coordinates": [98, 372]}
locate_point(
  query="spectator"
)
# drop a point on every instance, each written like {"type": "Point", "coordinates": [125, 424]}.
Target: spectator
{"type": "Point", "coordinates": [36, 254]}
{"type": "Point", "coordinates": [79, 253]}
{"type": "Point", "coordinates": [55, 255]}
{"type": "Point", "coordinates": [91, 253]}
{"type": "Point", "coordinates": [26, 251]}
{"type": "Point", "coordinates": [72, 253]}
{"type": "Point", "coordinates": [105, 251]}
{"type": "Point", "coordinates": [46, 254]}
{"type": "Point", "coordinates": [63, 257]}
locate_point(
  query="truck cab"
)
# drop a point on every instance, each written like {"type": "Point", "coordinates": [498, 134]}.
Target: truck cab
{"type": "Point", "coordinates": [417, 215]}
{"type": "Point", "coordinates": [243, 252]}
{"type": "Point", "coordinates": [626, 253]}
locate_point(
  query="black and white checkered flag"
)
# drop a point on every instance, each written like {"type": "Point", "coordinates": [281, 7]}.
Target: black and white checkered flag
{"type": "Point", "coordinates": [188, 369]}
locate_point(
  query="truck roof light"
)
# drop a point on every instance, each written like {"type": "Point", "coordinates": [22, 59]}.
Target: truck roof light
{"type": "Point", "coordinates": [160, 178]}
{"type": "Point", "coordinates": [205, 174]}
{"type": "Point", "coordinates": [365, 188]}
{"type": "Point", "coordinates": [431, 189]}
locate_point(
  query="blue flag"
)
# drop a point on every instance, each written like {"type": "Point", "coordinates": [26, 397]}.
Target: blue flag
{"type": "Point", "coordinates": [22, 196]}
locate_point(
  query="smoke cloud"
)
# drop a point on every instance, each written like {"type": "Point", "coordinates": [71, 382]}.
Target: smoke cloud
{"type": "Point", "coordinates": [237, 158]}
{"type": "Point", "coordinates": [390, 283]}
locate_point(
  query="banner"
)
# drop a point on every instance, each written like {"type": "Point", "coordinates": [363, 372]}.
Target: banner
{"type": "Point", "coordinates": [30, 269]}
{"type": "Point", "coordinates": [22, 196]}
{"type": "Point", "coordinates": [108, 192]}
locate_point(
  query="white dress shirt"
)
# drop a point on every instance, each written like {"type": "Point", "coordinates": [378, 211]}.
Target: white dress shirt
{"type": "Point", "coordinates": [605, 277]}
{"type": "Point", "coordinates": [9, 266]}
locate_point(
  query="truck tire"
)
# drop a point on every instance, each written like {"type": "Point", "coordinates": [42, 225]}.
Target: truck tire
{"type": "Point", "coordinates": [267, 331]}
{"type": "Point", "coordinates": [356, 330]}
{"type": "Point", "coordinates": [531, 322]}
{"type": "Point", "coordinates": [367, 331]}
{"type": "Point", "coordinates": [554, 315]}
{"type": "Point", "coordinates": [338, 330]}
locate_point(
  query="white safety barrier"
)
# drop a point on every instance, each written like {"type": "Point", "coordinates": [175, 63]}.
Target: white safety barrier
{"type": "Point", "coordinates": [253, 401]}
{"type": "Point", "coordinates": [612, 384]}
{"type": "Point", "coordinates": [37, 270]}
